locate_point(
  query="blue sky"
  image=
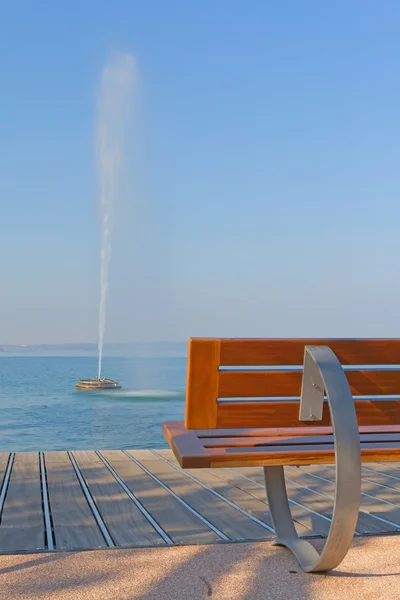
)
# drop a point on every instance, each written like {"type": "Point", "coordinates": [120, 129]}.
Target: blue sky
{"type": "Point", "coordinates": [262, 183]}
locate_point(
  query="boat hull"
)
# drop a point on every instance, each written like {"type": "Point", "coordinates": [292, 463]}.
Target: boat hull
{"type": "Point", "coordinates": [97, 384]}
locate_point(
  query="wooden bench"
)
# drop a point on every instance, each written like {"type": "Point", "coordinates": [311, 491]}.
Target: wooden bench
{"type": "Point", "coordinates": [276, 402]}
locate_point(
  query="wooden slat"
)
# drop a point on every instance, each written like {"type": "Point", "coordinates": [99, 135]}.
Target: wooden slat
{"type": "Point", "coordinates": [259, 352]}
{"type": "Point", "coordinates": [278, 431]}
{"type": "Point", "coordinates": [22, 524]}
{"type": "Point", "coordinates": [286, 414]}
{"type": "Point", "coordinates": [223, 516]}
{"type": "Point", "coordinates": [202, 383]}
{"type": "Point", "coordinates": [259, 442]}
{"type": "Point", "coordinates": [125, 522]}
{"type": "Point", "coordinates": [73, 521]}
{"type": "Point", "coordinates": [287, 455]}
{"type": "Point", "coordinates": [380, 447]}
{"type": "Point", "coordinates": [296, 455]}
{"type": "Point", "coordinates": [253, 384]}
{"type": "Point", "coordinates": [177, 521]}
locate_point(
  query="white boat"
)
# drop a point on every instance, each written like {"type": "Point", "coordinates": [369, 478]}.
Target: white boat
{"type": "Point", "coordinates": [98, 384]}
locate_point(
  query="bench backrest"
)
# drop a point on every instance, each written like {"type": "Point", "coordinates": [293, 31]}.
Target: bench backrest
{"type": "Point", "coordinates": [238, 383]}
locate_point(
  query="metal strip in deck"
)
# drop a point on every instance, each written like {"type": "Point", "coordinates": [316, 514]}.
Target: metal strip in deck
{"type": "Point", "coordinates": [45, 505]}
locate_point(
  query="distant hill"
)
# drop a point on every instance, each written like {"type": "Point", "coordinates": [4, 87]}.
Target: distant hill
{"type": "Point", "coordinates": [140, 349]}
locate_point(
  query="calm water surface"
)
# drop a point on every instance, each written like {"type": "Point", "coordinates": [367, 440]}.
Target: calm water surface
{"type": "Point", "coordinates": [41, 410]}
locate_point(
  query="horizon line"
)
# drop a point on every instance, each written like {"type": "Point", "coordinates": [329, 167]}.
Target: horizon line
{"type": "Point", "coordinates": [91, 343]}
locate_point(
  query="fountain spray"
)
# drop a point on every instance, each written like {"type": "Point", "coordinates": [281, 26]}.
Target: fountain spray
{"type": "Point", "coordinates": [117, 86]}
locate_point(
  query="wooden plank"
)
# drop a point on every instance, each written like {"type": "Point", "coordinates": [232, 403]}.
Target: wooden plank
{"type": "Point", "coordinates": [322, 501]}
{"type": "Point", "coordinates": [166, 453]}
{"type": "Point", "coordinates": [22, 524]}
{"type": "Point", "coordinates": [245, 501]}
{"type": "Point", "coordinates": [202, 384]}
{"type": "Point", "coordinates": [273, 352]}
{"type": "Point", "coordinates": [227, 483]}
{"type": "Point", "coordinates": [395, 466]}
{"type": "Point", "coordinates": [381, 478]}
{"type": "Point", "coordinates": [73, 521]}
{"type": "Point", "coordinates": [391, 471]}
{"type": "Point", "coordinates": [227, 519]}
{"type": "Point", "coordinates": [308, 514]}
{"type": "Point", "coordinates": [232, 415]}
{"type": "Point", "coordinates": [176, 520]}
{"type": "Point", "coordinates": [379, 482]}
{"type": "Point", "coordinates": [123, 519]}
{"type": "Point", "coordinates": [381, 490]}
{"type": "Point", "coordinates": [144, 455]}
{"type": "Point", "coordinates": [366, 522]}
{"type": "Point", "coordinates": [306, 523]}
{"type": "Point", "coordinates": [4, 456]}
{"type": "Point", "coordinates": [260, 384]}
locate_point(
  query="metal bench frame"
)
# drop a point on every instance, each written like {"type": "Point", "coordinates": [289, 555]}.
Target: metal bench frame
{"type": "Point", "coordinates": [323, 373]}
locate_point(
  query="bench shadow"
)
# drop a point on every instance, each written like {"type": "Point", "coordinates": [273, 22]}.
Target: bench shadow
{"type": "Point", "coordinates": [362, 575]}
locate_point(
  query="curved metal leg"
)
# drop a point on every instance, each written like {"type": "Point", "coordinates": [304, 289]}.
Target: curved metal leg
{"type": "Point", "coordinates": [285, 531]}
{"type": "Point", "coordinates": [322, 371]}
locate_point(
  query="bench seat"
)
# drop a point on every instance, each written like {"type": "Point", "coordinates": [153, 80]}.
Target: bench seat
{"type": "Point", "coordinates": [274, 446]}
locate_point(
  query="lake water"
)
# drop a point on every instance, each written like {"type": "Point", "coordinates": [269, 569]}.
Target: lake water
{"type": "Point", "coordinates": [40, 409]}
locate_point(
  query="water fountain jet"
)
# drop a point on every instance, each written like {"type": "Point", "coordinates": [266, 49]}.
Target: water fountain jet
{"type": "Point", "coordinates": [117, 86]}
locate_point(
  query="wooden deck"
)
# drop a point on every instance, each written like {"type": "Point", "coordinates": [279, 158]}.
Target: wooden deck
{"type": "Point", "coordinates": [99, 499]}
